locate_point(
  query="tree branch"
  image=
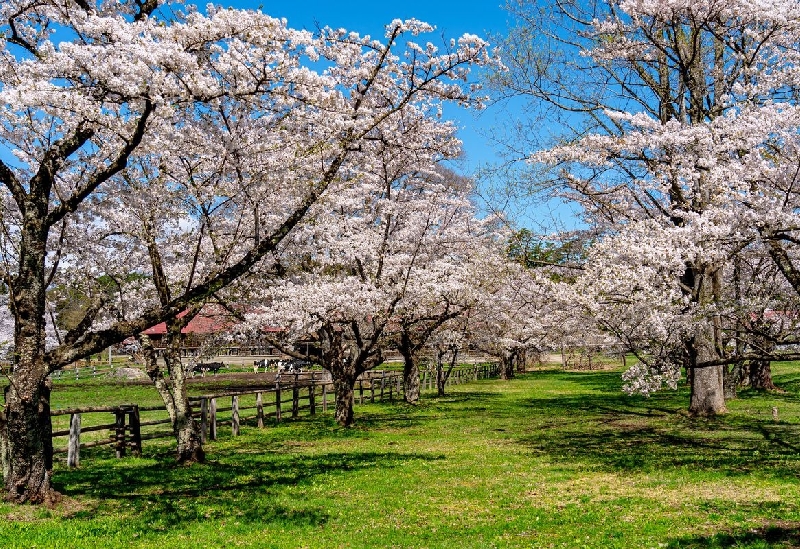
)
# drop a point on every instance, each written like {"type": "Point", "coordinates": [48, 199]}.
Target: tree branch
{"type": "Point", "coordinates": [72, 203]}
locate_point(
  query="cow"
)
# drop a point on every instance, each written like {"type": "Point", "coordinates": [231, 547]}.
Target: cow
{"type": "Point", "coordinates": [203, 367]}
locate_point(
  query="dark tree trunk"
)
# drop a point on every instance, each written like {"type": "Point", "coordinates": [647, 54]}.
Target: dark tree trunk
{"type": "Point", "coordinates": [441, 376]}
{"type": "Point", "coordinates": [411, 382]}
{"type": "Point", "coordinates": [760, 371]}
{"type": "Point", "coordinates": [27, 445]}
{"type": "Point", "coordinates": [442, 373]}
{"type": "Point", "coordinates": [733, 377]}
{"type": "Point", "coordinates": [346, 356]}
{"type": "Point", "coordinates": [342, 363]}
{"type": "Point", "coordinates": [343, 386]}
{"type": "Point", "coordinates": [761, 376]}
{"type": "Point", "coordinates": [522, 361]}
{"type": "Point", "coordinates": [26, 449]}
{"type": "Point", "coordinates": [507, 365]}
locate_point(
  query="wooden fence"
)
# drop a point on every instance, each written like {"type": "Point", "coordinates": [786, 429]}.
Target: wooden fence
{"type": "Point", "coordinates": [290, 395]}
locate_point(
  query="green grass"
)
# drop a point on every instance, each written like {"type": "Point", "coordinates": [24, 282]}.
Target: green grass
{"type": "Point", "coordinates": [551, 459]}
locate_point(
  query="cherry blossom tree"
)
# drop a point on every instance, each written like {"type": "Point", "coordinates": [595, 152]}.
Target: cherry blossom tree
{"type": "Point", "coordinates": [458, 254]}
{"type": "Point", "coordinates": [513, 314]}
{"type": "Point", "coordinates": [381, 268]}
{"type": "Point", "coordinates": [677, 108]}
{"type": "Point", "coordinates": [173, 151]}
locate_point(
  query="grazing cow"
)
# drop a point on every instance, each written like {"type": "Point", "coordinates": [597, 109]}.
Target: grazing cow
{"type": "Point", "coordinates": [214, 367]}
{"type": "Point", "coordinates": [259, 364]}
{"type": "Point", "coordinates": [294, 366]}
{"type": "Point", "coordinates": [203, 367]}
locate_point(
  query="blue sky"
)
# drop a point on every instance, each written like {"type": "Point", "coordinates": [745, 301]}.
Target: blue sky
{"type": "Point", "coordinates": [451, 19]}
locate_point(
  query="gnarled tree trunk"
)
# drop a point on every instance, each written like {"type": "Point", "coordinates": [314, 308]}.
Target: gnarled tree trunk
{"type": "Point", "coordinates": [411, 381]}
{"type": "Point", "coordinates": [26, 450]}
{"type": "Point", "coordinates": [344, 386]}
{"type": "Point", "coordinates": [442, 373]}
{"type": "Point", "coordinates": [507, 364]}
{"type": "Point", "coordinates": [761, 376]}
{"type": "Point", "coordinates": [346, 359]}
{"type": "Point", "coordinates": [173, 391]}
{"type": "Point", "coordinates": [733, 377]}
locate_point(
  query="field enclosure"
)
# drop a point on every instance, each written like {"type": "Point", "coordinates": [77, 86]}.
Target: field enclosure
{"type": "Point", "coordinates": [549, 459]}
{"type": "Point", "coordinates": [252, 398]}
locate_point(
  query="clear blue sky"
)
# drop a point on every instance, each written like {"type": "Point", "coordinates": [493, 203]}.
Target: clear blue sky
{"type": "Point", "coordinates": [451, 19]}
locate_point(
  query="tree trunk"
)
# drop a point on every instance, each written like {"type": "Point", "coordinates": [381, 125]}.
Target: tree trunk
{"type": "Point", "coordinates": [442, 374]}
{"type": "Point", "coordinates": [707, 393]}
{"type": "Point", "coordinates": [189, 448]}
{"type": "Point", "coordinates": [761, 376]}
{"type": "Point", "coordinates": [732, 377]}
{"type": "Point", "coordinates": [346, 358]}
{"type": "Point", "coordinates": [344, 385]}
{"type": "Point", "coordinates": [411, 383]}
{"type": "Point", "coordinates": [188, 436]}
{"type": "Point", "coordinates": [707, 382]}
{"type": "Point", "coordinates": [522, 361]}
{"type": "Point", "coordinates": [441, 377]}
{"type": "Point", "coordinates": [507, 365]}
{"type": "Point", "coordinates": [26, 450]}
{"type": "Point", "coordinates": [26, 447]}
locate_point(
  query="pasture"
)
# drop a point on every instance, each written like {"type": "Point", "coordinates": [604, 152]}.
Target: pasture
{"type": "Point", "coordinates": [550, 459]}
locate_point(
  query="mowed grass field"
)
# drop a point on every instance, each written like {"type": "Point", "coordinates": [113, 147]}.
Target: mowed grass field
{"type": "Point", "coordinates": [549, 459]}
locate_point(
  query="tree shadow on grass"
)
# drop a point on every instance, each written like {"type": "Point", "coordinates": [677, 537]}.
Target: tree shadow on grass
{"type": "Point", "coordinates": [781, 535]}
{"type": "Point", "coordinates": [622, 433]}
{"type": "Point", "coordinates": [247, 488]}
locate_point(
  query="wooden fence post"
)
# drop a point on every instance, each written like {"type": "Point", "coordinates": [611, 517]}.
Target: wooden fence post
{"type": "Point", "coordinates": [324, 396]}
{"type": "Point", "coordinates": [74, 449]}
{"type": "Point", "coordinates": [203, 419]}
{"type": "Point", "coordinates": [235, 415]}
{"type": "Point", "coordinates": [360, 391]}
{"type": "Point", "coordinates": [212, 419]}
{"type": "Point", "coordinates": [135, 430]}
{"type": "Point", "coordinates": [372, 390]}
{"type": "Point", "coordinates": [295, 398]}
{"type": "Point", "coordinates": [260, 410]}
{"type": "Point", "coordinates": [312, 405]}
{"type": "Point", "coordinates": [383, 382]}
{"type": "Point", "coordinates": [278, 398]}
{"type": "Point", "coordinates": [119, 432]}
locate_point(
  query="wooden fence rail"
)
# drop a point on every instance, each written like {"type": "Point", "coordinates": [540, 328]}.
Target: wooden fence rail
{"type": "Point", "coordinates": [292, 394]}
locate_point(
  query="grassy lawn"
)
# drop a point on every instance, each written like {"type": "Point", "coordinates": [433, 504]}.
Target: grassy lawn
{"type": "Point", "coordinates": [550, 459]}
